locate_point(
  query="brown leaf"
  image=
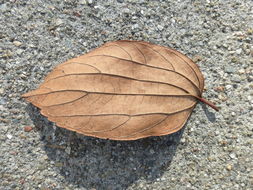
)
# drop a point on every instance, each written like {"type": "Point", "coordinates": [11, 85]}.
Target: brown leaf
{"type": "Point", "coordinates": [124, 90]}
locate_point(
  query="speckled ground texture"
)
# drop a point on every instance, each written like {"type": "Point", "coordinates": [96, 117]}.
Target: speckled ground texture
{"type": "Point", "coordinates": [213, 151]}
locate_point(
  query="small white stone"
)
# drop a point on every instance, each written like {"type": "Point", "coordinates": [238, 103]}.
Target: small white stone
{"type": "Point", "coordinates": [9, 136]}
{"type": "Point", "coordinates": [2, 108]}
{"type": "Point", "coordinates": [152, 151]}
{"type": "Point", "coordinates": [19, 51]}
{"type": "Point", "coordinates": [17, 43]}
{"type": "Point", "coordinates": [68, 150]}
{"type": "Point", "coordinates": [238, 51]}
{"type": "Point", "coordinates": [135, 26]}
{"type": "Point", "coordinates": [222, 97]}
{"type": "Point", "coordinates": [83, 2]}
{"type": "Point", "coordinates": [241, 71]}
{"type": "Point", "coordinates": [1, 90]}
{"type": "Point", "coordinates": [232, 155]}
{"type": "Point", "coordinates": [229, 167]}
{"type": "Point", "coordinates": [229, 86]}
{"type": "Point", "coordinates": [126, 10]}
{"type": "Point", "coordinates": [89, 1]}
{"type": "Point", "coordinates": [239, 33]}
{"type": "Point", "coordinates": [58, 22]}
{"type": "Point", "coordinates": [160, 27]}
{"type": "Point", "coordinates": [45, 157]}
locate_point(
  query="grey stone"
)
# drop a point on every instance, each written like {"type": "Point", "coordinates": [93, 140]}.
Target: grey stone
{"type": "Point", "coordinates": [58, 22]}
{"type": "Point", "coordinates": [19, 51]}
{"type": "Point", "coordinates": [17, 43]}
{"type": "Point", "coordinates": [236, 78]}
{"type": "Point", "coordinates": [89, 2]}
{"type": "Point", "coordinates": [230, 69]}
{"type": "Point", "coordinates": [3, 7]}
{"type": "Point", "coordinates": [83, 2]}
{"type": "Point", "coordinates": [1, 91]}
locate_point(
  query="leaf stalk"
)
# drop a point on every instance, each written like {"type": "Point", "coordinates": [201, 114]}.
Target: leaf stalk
{"type": "Point", "coordinates": [208, 103]}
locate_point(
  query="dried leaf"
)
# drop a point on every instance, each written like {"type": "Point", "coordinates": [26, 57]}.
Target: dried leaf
{"type": "Point", "coordinates": [124, 90]}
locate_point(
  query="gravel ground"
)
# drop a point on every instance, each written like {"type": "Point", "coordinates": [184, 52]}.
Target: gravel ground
{"type": "Point", "coordinates": [213, 151]}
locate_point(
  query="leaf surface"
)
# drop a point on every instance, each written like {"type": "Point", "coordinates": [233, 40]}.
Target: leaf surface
{"type": "Point", "coordinates": [123, 90]}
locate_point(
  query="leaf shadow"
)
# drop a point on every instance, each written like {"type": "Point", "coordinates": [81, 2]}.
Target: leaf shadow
{"type": "Point", "coordinates": [104, 164]}
{"type": "Point", "coordinates": [210, 115]}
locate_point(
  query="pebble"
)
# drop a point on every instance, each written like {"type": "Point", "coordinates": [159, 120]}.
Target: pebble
{"type": "Point", "coordinates": [3, 7]}
{"type": "Point", "coordinates": [58, 164]}
{"type": "Point", "coordinates": [222, 97]}
{"type": "Point", "coordinates": [229, 87]}
{"type": "Point", "coordinates": [58, 22]}
{"type": "Point", "coordinates": [9, 136]}
{"type": "Point", "coordinates": [45, 157]}
{"type": "Point", "coordinates": [229, 167]}
{"type": "Point", "coordinates": [220, 88]}
{"type": "Point", "coordinates": [89, 2]}
{"type": "Point", "coordinates": [236, 78]}
{"type": "Point", "coordinates": [17, 43]}
{"type": "Point", "coordinates": [126, 10]}
{"type": "Point", "coordinates": [1, 90]}
{"type": "Point", "coordinates": [197, 58]}
{"type": "Point", "coordinates": [152, 151]}
{"type": "Point", "coordinates": [232, 155]}
{"type": "Point", "coordinates": [160, 27]}
{"type": "Point", "coordinates": [238, 51]}
{"type": "Point", "coordinates": [28, 128]}
{"type": "Point", "coordinates": [83, 2]}
{"type": "Point", "coordinates": [19, 51]}
{"type": "Point", "coordinates": [241, 71]}
{"type": "Point", "coordinates": [229, 69]}
{"type": "Point", "coordinates": [68, 150]}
